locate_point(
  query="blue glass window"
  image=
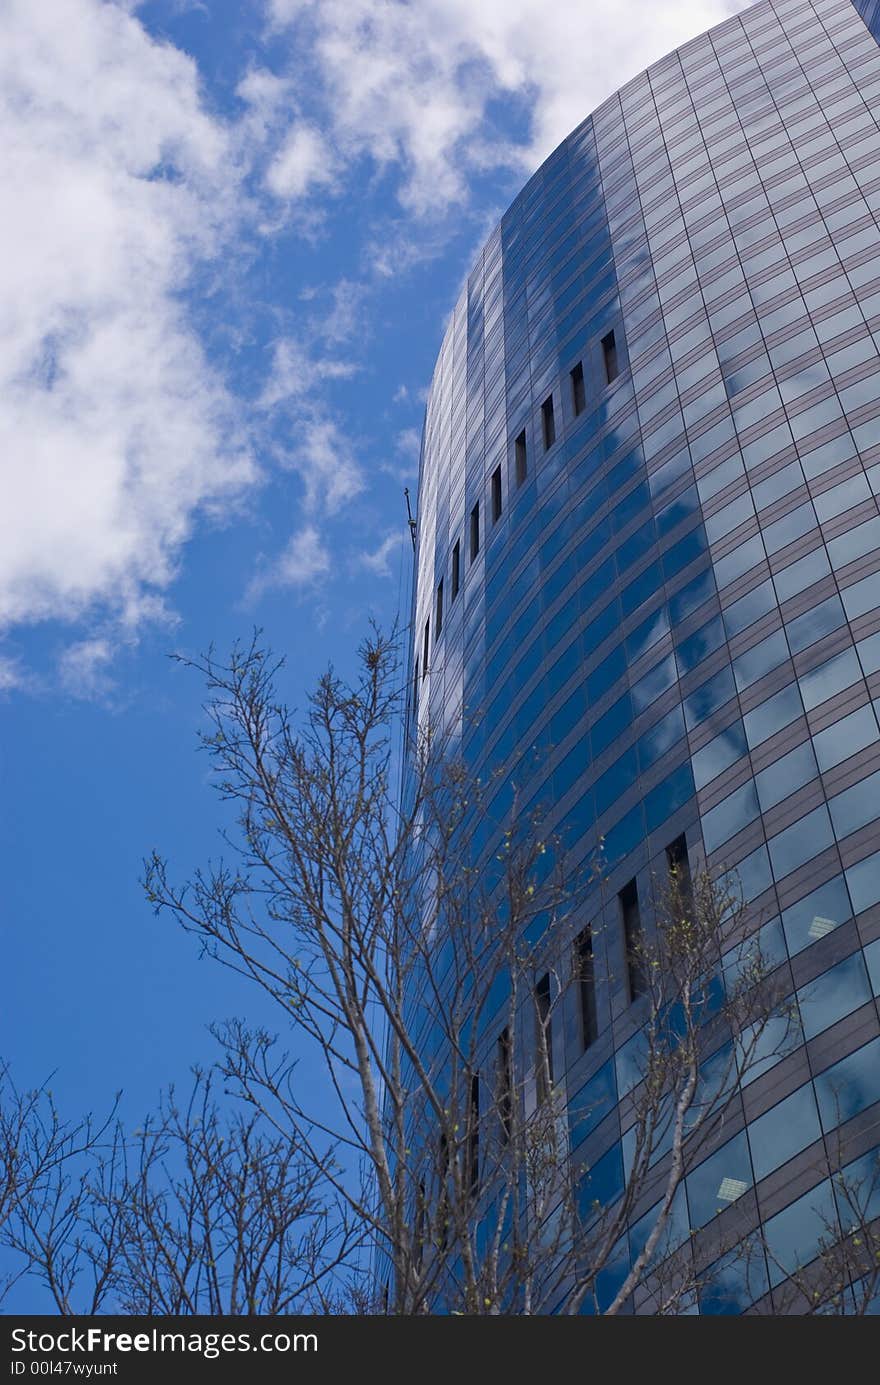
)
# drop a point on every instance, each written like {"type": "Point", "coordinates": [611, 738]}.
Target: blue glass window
{"type": "Point", "coordinates": [812, 625]}
{"type": "Point", "coordinates": [837, 992]}
{"type": "Point", "coordinates": [568, 716]}
{"type": "Point", "coordinates": [793, 1235]}
{"type": "Point", "coordinates": [730, 816]}
{"type": "Point", "coordinates": [719, 1180]}
{"type": "Point", "coordinates": [719, 754]}
{"type": "Point", "coordinates": [734, 1282]}
{"type": "Point", "coordinates": [754, 874]}
{"type": "Point", "coordinates": [818, 914]}
{"type": "Point", "coordinates": [869, 653]}
{"type": "Point", "coordinates": [848, 1086]}
{"type": "Point", "coordinates": [653, 683]}
{"type": "Point", "coordinates": [606, 674]}
{"type": "Point", "coordinates": [865, 538]}
{"type": "Point", "coordinates": [822, 682]}
{"type": "Point", "coordinates": [674, 1233]}
{"type": "Point", "coordinates": [749, 608]}
{"type": "Point", "coordinates": [600, 1186]}
{"type": "Point", "coordinates": [691, 596]}
{"type": "Point", "coordinates": [702, 642]}
{"type": "Point", "coordinates": [846, 737]}
{"type": "Point", "coordinates": [641, 589]}
{"type": "Point", "coordinates": [708, 697]}
{"type": "Point", "coordinates": [685, 551]}
{"type": "Point", "coordinates": [863, 880]}
{"type": "Point", "coordinates": [668, 796]}
{"type": "Point", "coordinates": [647, 634]}
{"type": "Point", "coordinates": [856, 807]}
{"type": "Point", "coordinates": [862, 596]}
{"type": "Point", "coordinates": [625, 835]}
{"type": "Point", "coordinates": [616, 780]}
{"type": "Point", "coordinates": [804, 839]}
{"type": "Point", "coordinates": [739, 560]}
{"type": "Point", "coordinates": [785, 775]}
{"type": "Point", "coordinates": [802, 574]}
{"type": "Point", "coordinates": [611, 725]}
{"type": "Point", "coordinates": [769, 717]}
{"type": "Point", "coordinates": [592, 1103]}
{"type": "Point", "coordinates": [784, 1130]}
{"type": "Point", "coordinates": [660, 737]}
{"type": "Point", "coordinates": [764, 1045]}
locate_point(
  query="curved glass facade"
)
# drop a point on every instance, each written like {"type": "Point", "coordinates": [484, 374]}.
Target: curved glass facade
{"type": "Point", "coordinates": [648, 566]}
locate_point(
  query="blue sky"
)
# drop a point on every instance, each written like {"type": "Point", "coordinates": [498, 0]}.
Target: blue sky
{"type": "Point", "coordinates": [232, 233]}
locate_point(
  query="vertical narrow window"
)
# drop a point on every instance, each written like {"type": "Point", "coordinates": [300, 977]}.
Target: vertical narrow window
{"type": "Point", "coordinates": [586, 980]}
{"type": "Point", "coordinates": [521, 460]}
{"type": "Point", "coordinates": [421, 1225]}
{"type": "Point", "coordinates": [678, 897]}
{"type": "Point", "coordinates": [544, 1037]}
{"type": "Point", "coordinates": [578, 392]}
{"type": "Point", "coordinates": [678, 863]}
{"type": "Point", "coordinates": [496, 495]}
{"type": "Point", "coordinates": [473, 1138]}
{"type": "Point", "coordinates": [416, 689]}
{"type": "Point", "coordinates": [456, 569]}
{"type": "Point", "coordinates": [548, 422]}
{"type": "Point", "coordinates": [504, 1084]}
{"type": "Point", "coordinates": [609, 353]}
{"type": "Point", "coordinates": [475, 531]}
{"type": "Point", "coordinates": [426, 647]}
{"type": "Point", "coordinates": [633, 940]}
{"type": "Point", "coordinates": [443, 1192]}
{"type": "Point", "coordinates": [438, 619]}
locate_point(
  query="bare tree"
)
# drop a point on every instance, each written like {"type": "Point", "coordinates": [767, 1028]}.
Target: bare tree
{"type": "Point", "coordinates": [198, 1212]}
{"type": "Point", "coordinates": [38, 1151]}
{"type": "Point", "coordinates": [427, 983]}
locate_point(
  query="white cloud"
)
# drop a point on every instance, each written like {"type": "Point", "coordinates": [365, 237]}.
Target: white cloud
{"type": "Point", "coordinates": [303, 561]}
{"type": "Point", "coordinates": [296, 373]}
{"type": "Point", "coordinates": [325, 459]}
{"type": "Point", "coordinates": [318, 447]}
{"type": "Point", "coordinates": [83, 669]}
{"type": "Point", "coordinates": [379, 561]}
{"type": "Point", "coordinates": [409, 443]}
{"type": "Point", "coordinates": [411, 84]}
{"type": "Point", "coordinates": [346, 317]}
{"type": "Point", "coordinates": [11, 674]}
{"type": "Point", "coordinates": [115, 432]}
{"type": "Point", "coordinates": [304, 162]}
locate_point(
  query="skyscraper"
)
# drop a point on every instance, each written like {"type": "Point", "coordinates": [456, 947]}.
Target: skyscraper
{"type": "Point", "coordinates": [648, 569]}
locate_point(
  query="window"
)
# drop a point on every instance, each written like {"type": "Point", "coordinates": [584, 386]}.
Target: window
{"type": "Point", "coordinates": [609, 355]}
{"type": "Point", "coordinates": [520, 458]}
{"type": "Point", "coordinates": [473, 1135]}
{"type": "Point", "coordinates": [679, 866]}
{"type": "Point", "coordinates": [456, 569]}
{"type": "Point", "coordinates": [496, 495]}
{"type": "Point", "coordinates": [633, 940]}
{"type": "Point", "coordinates": [548, 422]}
{"type": "Point", "coordinates": [425, 647]}
{"type": "Point", "coordinates": [443, 1172]}
{"type": "Point", "coordinates": [504, 1084]}
{"type": "Point", "coordinates": [475, 531]}
{"type": "Point", "coordinates": [438, 620]}
{"type": "Point", "coordinates": [586, 979]}
{"type": "Point", "coordinates": [578, 393]}
{"type": "Point", "coordinates": [544, 1037]}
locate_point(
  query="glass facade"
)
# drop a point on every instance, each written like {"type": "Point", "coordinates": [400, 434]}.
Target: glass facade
{"type": "Point", "coordinates": [649, 490]}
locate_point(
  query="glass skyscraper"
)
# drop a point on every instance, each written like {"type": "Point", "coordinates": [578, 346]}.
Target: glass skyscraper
{"type": "Point", "coordinates": [648, 567]}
